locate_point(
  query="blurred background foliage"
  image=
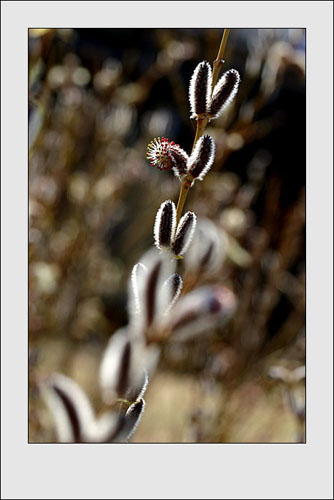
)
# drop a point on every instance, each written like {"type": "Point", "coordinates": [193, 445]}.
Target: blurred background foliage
{"type": "Point", "coordinates": [97, 97]}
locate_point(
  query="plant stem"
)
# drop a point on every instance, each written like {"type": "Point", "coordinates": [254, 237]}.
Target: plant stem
{"type": "Point", "coordinates": [201, 125]}
{"type": "Point", "coordinates": [218, 62]}
{"type": "Point", "coordinates": [185, 186]}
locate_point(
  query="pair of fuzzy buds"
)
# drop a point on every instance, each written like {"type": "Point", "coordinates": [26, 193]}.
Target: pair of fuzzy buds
{"type": "Point", "coordinates": [167, 155]}
{"type": "Point", "coordinates": [156, 309]}
{"type": "Point", "coordinates": [154, 288]}
{"type": "Point", "coordinates": [75, 419]}
{"type": "Point", "coordinates": [167, 235]}
{"type": "Point", "coordinates": [123, 377]}
{"type": "Point", "coordinates": [202, 102]}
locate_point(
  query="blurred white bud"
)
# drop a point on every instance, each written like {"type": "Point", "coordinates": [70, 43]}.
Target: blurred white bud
{"type": "Point", "coordinates": [153, 297]}
{"type": "Point", "coordinates": [184, 233]}
{"type": "Point", "coordinates": [201, 310]}
{"type": "Point", "coordinates": [208, 248]}
{"type": "Point", "coordinates": [122, 368]}
{"type": "Point", "coordinates": [71, 409]}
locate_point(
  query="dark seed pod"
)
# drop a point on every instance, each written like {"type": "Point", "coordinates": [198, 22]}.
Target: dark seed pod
{"type": "Point", "coordinates": [180, 159]}
{"type": "Point", "coordinates": [164, 226]}
{"type": "Point", "coordinates": [122, 381]}
{"type": "Point", "coordinates": [175, 282]}
{"type": "Point", "coordinates": [173, 286]}
{"type": "Point", "coordinates": [200, 89]}
{"type": "Point", "coordinates": [202, 157]}
{"type": "Point", "coordinates": [184, 233]}
{"type": "Point", "coordinates": [72, 412]}
{"type": "Point", "coordinates": [224, 92]}
{"type": "Point", "coordinates": [133, 417]}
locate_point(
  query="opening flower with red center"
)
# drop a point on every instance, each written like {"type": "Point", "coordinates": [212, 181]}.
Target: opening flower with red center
{"type": "Point", "coordinates": [165, 155]}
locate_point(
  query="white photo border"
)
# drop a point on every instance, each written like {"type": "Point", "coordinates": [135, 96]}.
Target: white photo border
{"type": "Point", "coordinates": [167, 471]}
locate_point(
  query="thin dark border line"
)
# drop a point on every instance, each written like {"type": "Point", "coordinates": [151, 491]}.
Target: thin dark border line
{"type": "Point", "coordinates": [305, 212]}
{"type": "Point", "coordinates": [161, 27]}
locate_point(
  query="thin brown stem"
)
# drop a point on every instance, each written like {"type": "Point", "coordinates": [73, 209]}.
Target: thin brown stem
{"type": "Point", "coordinates": [218, 62]}
{"type": "Point", "coordinates": [185, 186]}
{"type": "Point", "coordinates": [201, 125]}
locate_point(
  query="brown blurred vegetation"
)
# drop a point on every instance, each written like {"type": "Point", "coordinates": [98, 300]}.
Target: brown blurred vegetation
{"type": "Point", "coordinates": [96, 98]}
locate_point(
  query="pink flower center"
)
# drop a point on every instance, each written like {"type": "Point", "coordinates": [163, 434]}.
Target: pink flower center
{"type": "Point", "coordinates": [159, 153]}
